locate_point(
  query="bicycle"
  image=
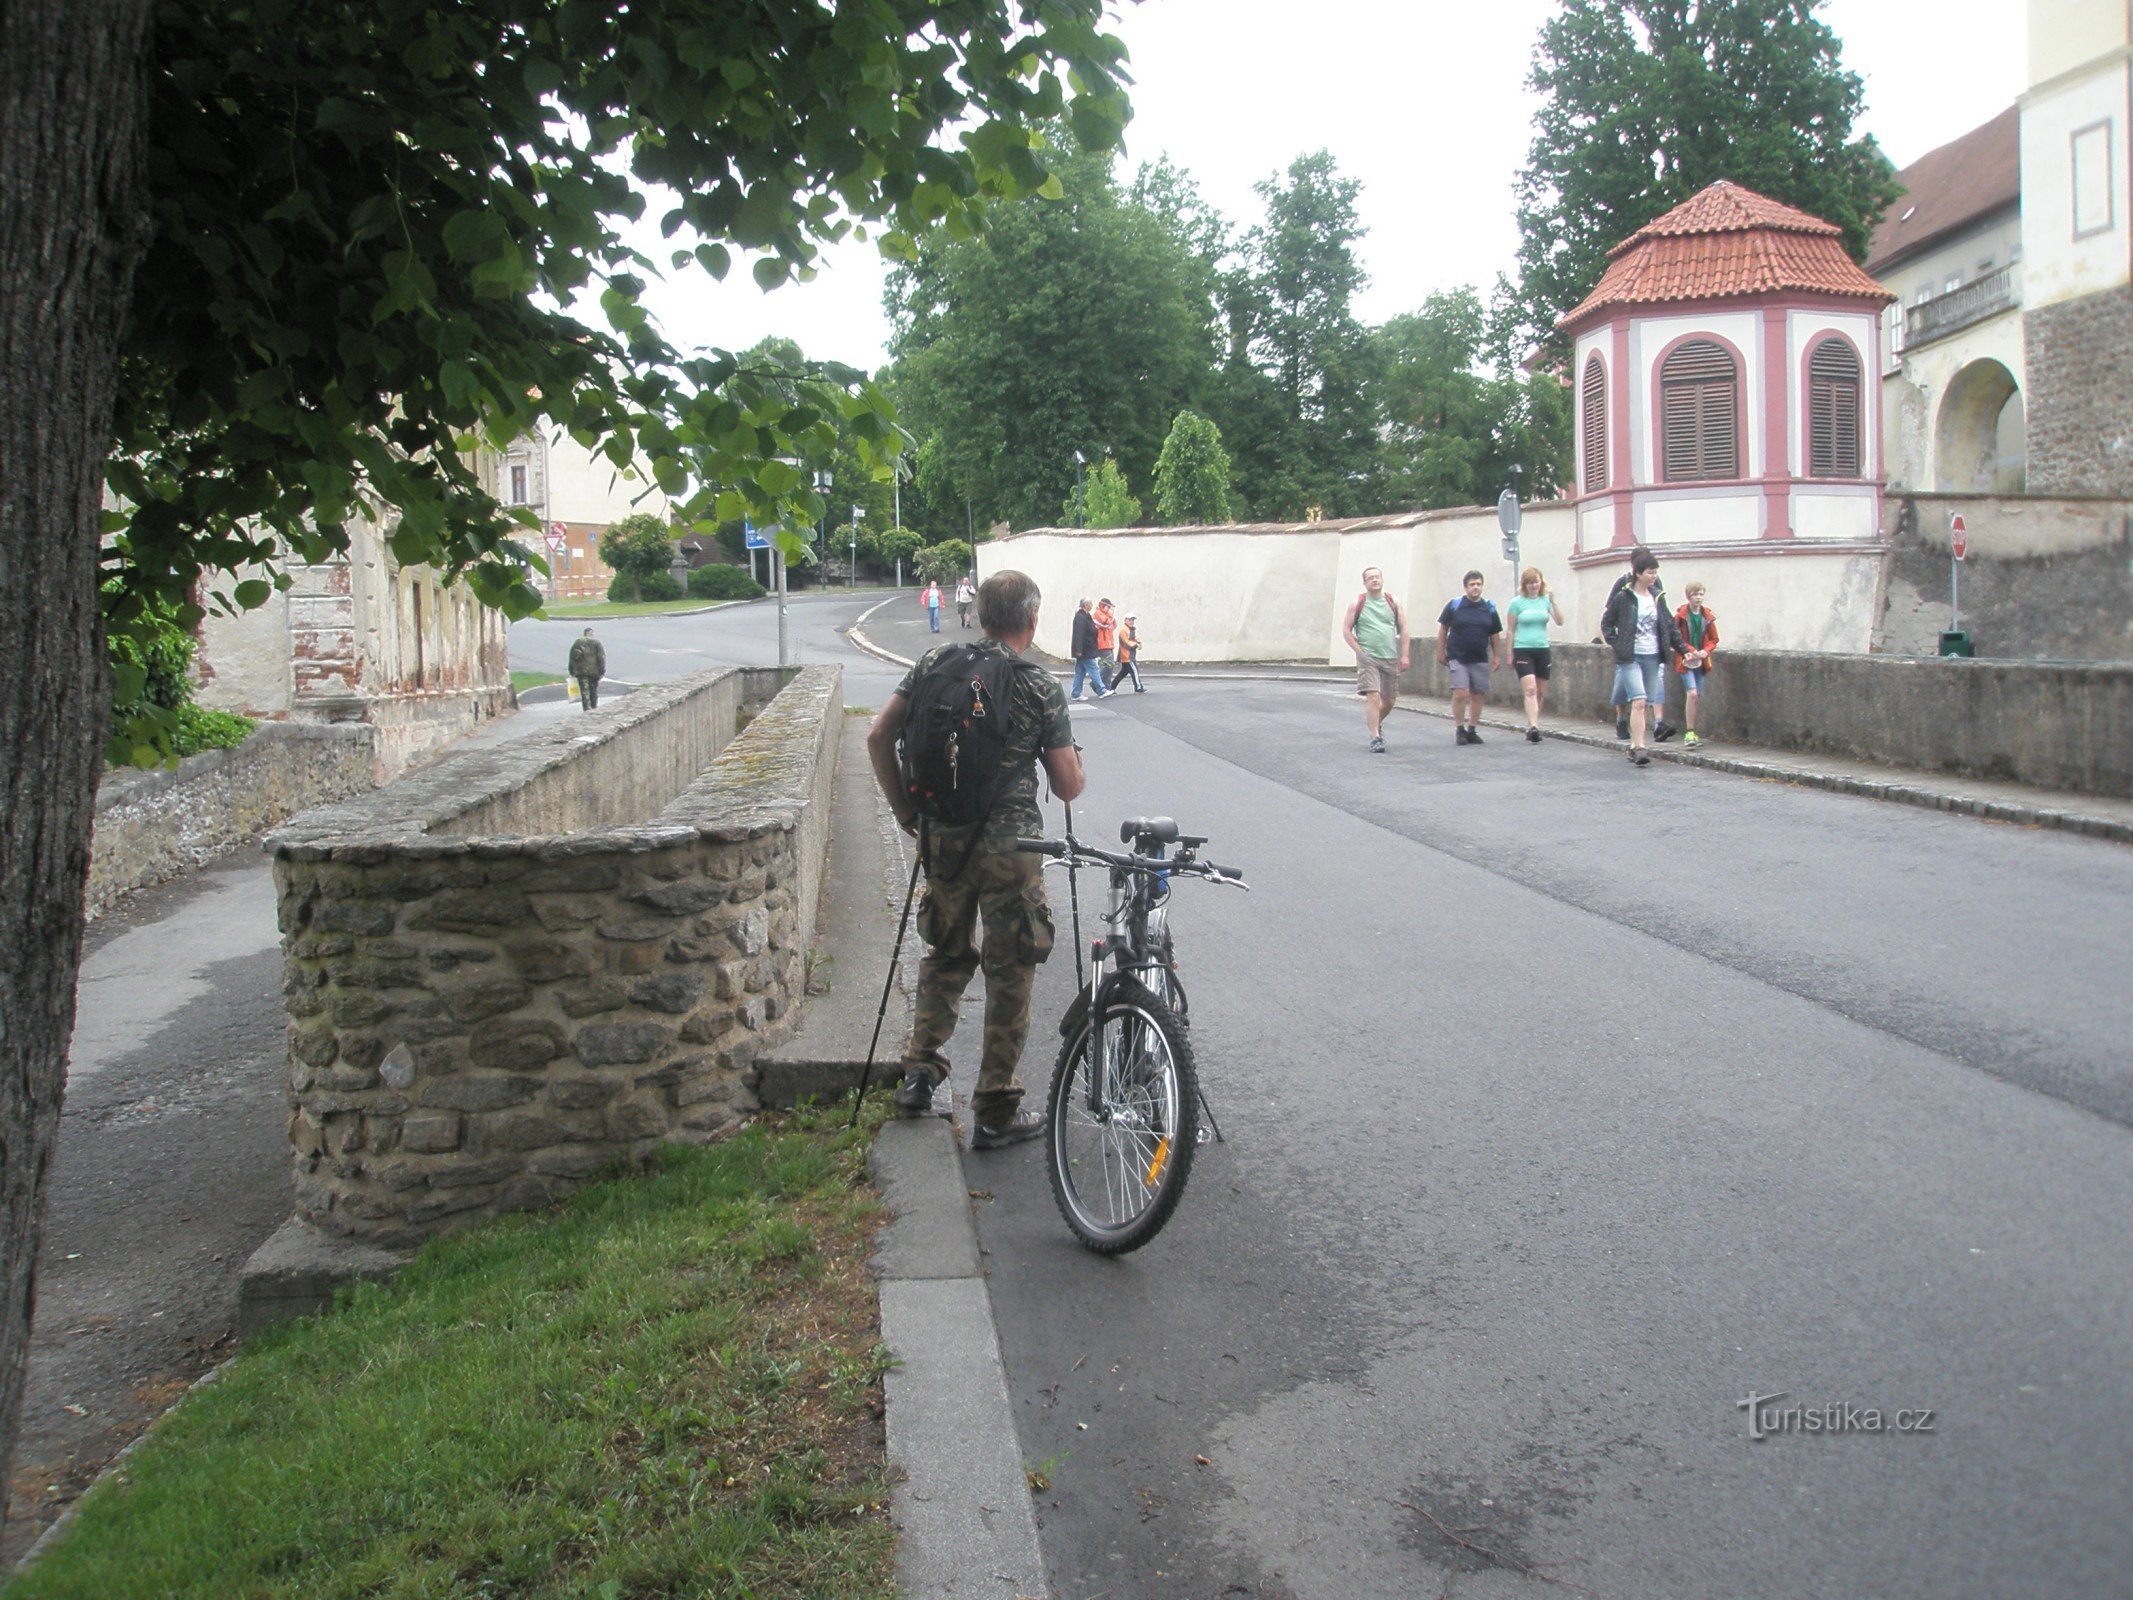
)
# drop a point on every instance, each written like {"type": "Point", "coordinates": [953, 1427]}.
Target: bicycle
{"type": "Point", "coordinates": [1125, 1100]}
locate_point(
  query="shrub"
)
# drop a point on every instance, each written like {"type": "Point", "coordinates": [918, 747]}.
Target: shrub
{"type": "Point", "coordinates": [623, 588]}
{"type": "Point", "coordinates": [1192, 474]}
{"type": "Point", "coordinates": [723, 583]}
{"type": "Point", "coordinates": [199, 729]}
{"type": "Point", "coordinates": [944, 562]}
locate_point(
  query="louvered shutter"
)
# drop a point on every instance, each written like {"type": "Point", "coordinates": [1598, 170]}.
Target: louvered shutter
{"type": "Point", "coordinates": [1833, 396]}
{"type": "Point", "coordinates": [1595, 425]}
{"type": "Point", "coordinates": [1699, 413]}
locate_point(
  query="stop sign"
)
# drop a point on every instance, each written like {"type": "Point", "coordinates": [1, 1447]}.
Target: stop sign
{"type": "Point", "coordinates": [1958, 536]}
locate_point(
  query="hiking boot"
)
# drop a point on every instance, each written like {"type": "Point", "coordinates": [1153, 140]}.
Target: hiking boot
{"type": "Point", "coordinates": [1017, 1128]}
{"type": "Point", "coordinates": [1377, 746]}
{"type": "Point", "coordinates": [1473, 736]}
{"type": "Point", "coordinates": [1638, 757]}
{"type": "Point", "coordinates": [914, 1096]}
{"type": "Point", "coordinates": [1665, 731]}
{"type": "Point", "coordinates": [1533, 736]}
{"type": "Point", "coordinates": [1621, 727]}
{"type": "Point", "coordinates": [1689, 741]}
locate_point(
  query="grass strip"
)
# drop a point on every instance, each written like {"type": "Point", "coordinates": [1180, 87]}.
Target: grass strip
{"type": "Point", "coordinates": [522, 681]}
{"type": "Point", "coordinates": [670, 1386]}
{"type": "Point", "coordinates": [566, 610]}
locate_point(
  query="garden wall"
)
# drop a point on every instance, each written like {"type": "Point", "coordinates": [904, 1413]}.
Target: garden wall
{"type": "Point", "coordinates": [526, 964]}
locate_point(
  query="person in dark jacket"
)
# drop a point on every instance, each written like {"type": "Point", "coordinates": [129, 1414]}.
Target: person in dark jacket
{"type": "Point", "coordinates": [1086, 664]}
{"type": "Point", "coordinates": [1643, 633]}
{"type": "Point", "coordinates": [1664, 730]}
{"type": "Point", "coordinates": [588, 664]}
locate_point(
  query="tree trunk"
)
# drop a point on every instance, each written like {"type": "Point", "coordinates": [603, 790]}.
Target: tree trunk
{"type": "Point", "coordinates": [73, 99]}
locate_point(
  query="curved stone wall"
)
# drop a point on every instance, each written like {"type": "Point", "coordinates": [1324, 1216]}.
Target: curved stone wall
{"type": "Point", "coordinates": [481, 1019]}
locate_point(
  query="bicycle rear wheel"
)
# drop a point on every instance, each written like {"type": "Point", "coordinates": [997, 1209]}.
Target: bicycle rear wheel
{"type": "Point", "coordinates": [1125, 1111]}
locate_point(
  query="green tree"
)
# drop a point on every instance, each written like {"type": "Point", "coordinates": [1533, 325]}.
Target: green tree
{"type": "Point", "coordinates": [1644, 102]}
{"type": "Point", "coordinates": [1192, 474]}
{"type": "Point", "coordinates": [279, 258]}
{"type": "Point", "coordinates": [1073, 325]}
{"type": "Point", "coordinates": [638, 547]}
{"type": "Point", "coordinates": [1109, 503]}
{"type": "Point", "coordinates": [944, 562]}
{"type": "Point", "coordinates": [898, 545]}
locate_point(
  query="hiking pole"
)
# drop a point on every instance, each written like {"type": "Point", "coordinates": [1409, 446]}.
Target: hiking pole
{"type": "Point", "coordinates": [1074, 891]}
{"type": "Point", "coordinates": [888, 983]}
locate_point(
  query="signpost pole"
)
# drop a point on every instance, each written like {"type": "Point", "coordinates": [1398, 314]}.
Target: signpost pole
{"type": "Point", "coordinates": [1508, 519]}
{"type": "Point", "coordinates": [1958, 547]}
{"type": "Point", "coordinates": [777, 564]}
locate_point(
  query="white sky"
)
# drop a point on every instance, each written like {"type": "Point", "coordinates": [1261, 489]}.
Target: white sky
{"type": "Point", "coordinates": [1423, 101]}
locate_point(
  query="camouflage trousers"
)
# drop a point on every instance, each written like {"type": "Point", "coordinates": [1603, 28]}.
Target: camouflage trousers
{"type": "Point", "coordinates": [1006, 890]}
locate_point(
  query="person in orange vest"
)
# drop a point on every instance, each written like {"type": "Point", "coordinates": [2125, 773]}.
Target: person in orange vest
{"type": "Point", "coordinates": [1107, 641]}
{"type": "Point", "coordinates": [1699, 643]}
{"type": "Point", "coordinates": [1129, 655]}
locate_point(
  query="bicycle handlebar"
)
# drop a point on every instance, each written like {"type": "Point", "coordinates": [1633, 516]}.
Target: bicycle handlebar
{"type": "Point", "coordinates": [1073, 852]}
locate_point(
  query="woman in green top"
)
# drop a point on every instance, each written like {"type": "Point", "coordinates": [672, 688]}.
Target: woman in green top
{"type": "Point", "coordinates": [1530, 615]}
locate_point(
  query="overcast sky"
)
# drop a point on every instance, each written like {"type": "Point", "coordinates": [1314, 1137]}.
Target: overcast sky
{"type": "Point", "coordinates": [1425, 103]}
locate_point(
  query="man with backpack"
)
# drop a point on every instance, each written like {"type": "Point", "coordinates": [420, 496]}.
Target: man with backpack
{"type": "Point", "coordinates": [588, 665]}
{"type": "Point", "coordinates": [1376, 630]}
{"type": "Point", "coordinates": [956, 751]}
{"type": "Point", "coordinates": [1469, 643]}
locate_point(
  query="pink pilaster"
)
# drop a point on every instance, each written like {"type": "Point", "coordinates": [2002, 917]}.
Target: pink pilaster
{"type": "Point", "coordinates": [1619, 476]}
{"type": "Point", "coordinates": [1777, 427]}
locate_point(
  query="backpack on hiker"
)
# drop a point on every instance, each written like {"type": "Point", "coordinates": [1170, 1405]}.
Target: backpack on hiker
{"type": "Point", "coordinates": [952, 753]}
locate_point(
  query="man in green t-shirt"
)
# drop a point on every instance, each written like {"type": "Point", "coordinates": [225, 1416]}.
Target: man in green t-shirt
{"type": "Point", "coordinates": [974, 873]}
{"type": "Point", "coordinates": [1376, 630]}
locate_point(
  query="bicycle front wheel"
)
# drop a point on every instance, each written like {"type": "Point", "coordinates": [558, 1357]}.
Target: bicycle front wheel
{"type": "Point", "coordinates": [1124, 1121]}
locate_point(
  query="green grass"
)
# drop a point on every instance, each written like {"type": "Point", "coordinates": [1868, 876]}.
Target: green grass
{"type": "Point", "coordinates": [627, 608]}
{"type": "Point", "coordinates": [522, 681]}
{"type": "Point", "coordinates": [670, 1387]}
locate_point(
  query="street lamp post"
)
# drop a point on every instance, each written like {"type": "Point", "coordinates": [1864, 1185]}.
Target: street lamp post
{"type": "Point", "coordinates": [853, 581]}
{"type": "Point", "coordinates": [1081, 487]}
{"type": "Point", "coordinates": [822, 528]}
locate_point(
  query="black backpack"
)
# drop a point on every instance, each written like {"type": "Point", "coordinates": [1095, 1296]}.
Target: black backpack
{"type": "Point", "coordinates": [953, 749]}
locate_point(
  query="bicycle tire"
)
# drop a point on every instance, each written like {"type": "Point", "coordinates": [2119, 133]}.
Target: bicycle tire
{"type": "Point", "coordinates": [1148, 1121]}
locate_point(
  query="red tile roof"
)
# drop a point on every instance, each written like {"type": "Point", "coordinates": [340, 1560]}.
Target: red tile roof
{"type": "Point", "coordinates": [1726, 241]}
{"type": "Point", "coordinates": [1962, 183]}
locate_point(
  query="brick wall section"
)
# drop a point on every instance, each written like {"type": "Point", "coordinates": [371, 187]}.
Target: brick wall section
{"type": "Point", "coordinates": [2079, 356]}
{"type": "Point", "coordinates": [481, 1021]}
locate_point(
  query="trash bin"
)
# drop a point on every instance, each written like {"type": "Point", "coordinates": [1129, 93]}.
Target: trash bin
{"type": "Point", "coordinates": [1956, 642]}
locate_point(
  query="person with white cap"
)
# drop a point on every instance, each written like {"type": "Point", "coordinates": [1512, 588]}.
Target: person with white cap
{"type": "Point", "coordinates": [1129, 655]}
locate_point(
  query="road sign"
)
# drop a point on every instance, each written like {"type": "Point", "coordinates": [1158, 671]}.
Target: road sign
{"type": "Point", "coordinates": [1508, 518]}
{"type": "Point", "coordinates": [755, 538]}
{"type": "Point", "coordinates": [1958, 535]}
{"type": "Point", "coordinates": [557, 536]}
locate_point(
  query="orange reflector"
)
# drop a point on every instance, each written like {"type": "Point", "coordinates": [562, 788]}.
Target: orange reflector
{"type": "Point", "coordinates": [1160, 1160]}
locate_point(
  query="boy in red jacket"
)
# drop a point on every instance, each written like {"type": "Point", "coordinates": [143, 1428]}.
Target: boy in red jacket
{"type": "Point", "coordinates": [1699, 643]}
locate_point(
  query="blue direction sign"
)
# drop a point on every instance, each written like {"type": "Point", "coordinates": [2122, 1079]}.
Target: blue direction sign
{"type": "Point", "coordinates": [754, 537]}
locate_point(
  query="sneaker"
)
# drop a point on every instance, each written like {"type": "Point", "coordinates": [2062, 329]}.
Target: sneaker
{"type": "Point", "coordinates": [1022, 1125]}
{"type": "Point", "coordinates": [1621, 727]}
{"type": "Point", "coordinates": [1533, 736]}
{"type": "Point", "coordinates": [914, 1096]}
{"type": "Point", "coordinates": [1665, 731]}
{"type": "Point", "coordinates": [1377, 747]}
{"type": "Point", "coordinates": [1638, 758]}
{"type": "Point", "coordinates": [1689, 741]}
{"type": "Point", "coordinates": [1473, 736]}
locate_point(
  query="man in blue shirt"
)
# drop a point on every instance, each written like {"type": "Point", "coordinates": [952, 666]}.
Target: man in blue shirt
{"type": "Point", "coordinates": [1469, 642]}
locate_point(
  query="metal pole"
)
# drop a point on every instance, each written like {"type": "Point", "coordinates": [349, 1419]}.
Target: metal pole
{"type": "Point", "coordinates": [777, 562]}
{"type": "Point", "coordinates": [1955, 593]}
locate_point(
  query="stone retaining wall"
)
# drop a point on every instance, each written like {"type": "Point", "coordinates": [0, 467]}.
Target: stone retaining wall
{"type": "Point", "coordinates": [2060, 725]}
{"type": "Point", "coordinates": [152, 826]}
{"type": "Point", "coordinates": [524, 965]}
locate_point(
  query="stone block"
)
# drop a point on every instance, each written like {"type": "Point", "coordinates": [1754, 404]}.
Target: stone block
{"type": "Point", "coordinates": [572, 1161]}
{"type": "Point", "coordinates": [637, 958]}
{"type": "Point", "coordinates": [325, 1103]}
{"type": "Point", "coordinates": [681, 898]}
{"type": "Point", "coordinates": [527, 1192]}
{"type": "Point", "coordinates": [449, 1202]}
{"type": "Point", "coordinates": [307, 1136]}
{"type": "Point", "coordinates": [436, 1057]}
{"type": "Point", "coordinates": [671, 992]}
{"type": "Point", "coordinates": [707, 1087]}
{"type": "Point", "coordinates": [363, 1051]}
{"type": "Point", "coordinates": [330, 915]}
{"type": "Point", "coordinates": [583, 875]}
{"type": "Point", "coordinates": [706, 1027]}
{"type": "Point", "coordinates": [491, 997]}
{"type": "Point", "coordinates": [314, 1046]}
{"type": "Point", "coordinates": [581, 1094]}
{"type": "Point", "coordinates": [430, 1132]}
{"type": "Point", "coordinates": [690, 949]}
{"type": "Point", "coordinates": [359, 1009]}
{"type": "Point", "coordinates": [602, 1043]}
{"type": "Point", "coordinates": [635, 1119]}
{"type": "Point", "coordinates": [563, 913]}
{"type": "Point", "coordinates": [751, 936]}
{"type": "Point", "coordinates": [361, 972]}
{"type": "Point", "coordinates": [731, 980]}
{"type": "Point", "coordinates": [471, 911]}
{"type": "Point", "coordinates": [484, 1092]}
{"type": "Point", "coordinates": [345, 1133]}
{"type": "Point", "coordinates": [451, 960]}
{"type": "Point", "coordinates": [518, 1130]}
{"type": "Point", "coordinates": [466, 1173]}
{"type": "Point", "coordinates": [635, 929]}
{"type": "Point", "coordinates": [346, 1079]}
{"type": "Point", "coordinates": [397, 1068]}
{"type": "Point", "coordinates": [548, 960]}
{"type": "Point", "coordinates": [591, 997]}
{"type": "Point", "coordinates": [520, 1044]}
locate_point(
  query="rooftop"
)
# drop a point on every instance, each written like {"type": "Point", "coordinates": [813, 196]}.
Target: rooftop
{"type": "Point", "coordinates": [1947, 190]}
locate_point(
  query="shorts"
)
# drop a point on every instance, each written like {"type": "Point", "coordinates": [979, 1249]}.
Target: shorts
{"type": "Point", "coordinates": [1692, 678]}
{"type": "Point", "coordinates": [1378, 677]}
{"type": "Point", "coordinates": [1531, 663]}
{"type": "Point", "coordinates": [1638, 680]}
{"type": "Point", "coordinates": [1472, 676]}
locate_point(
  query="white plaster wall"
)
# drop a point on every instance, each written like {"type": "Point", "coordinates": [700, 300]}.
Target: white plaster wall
{"type": "Point", "coordinates": [1201, 594]}
{"type": "Point", "coordinates": [1911, 398]}
{"type": "Point", "coordinates": [2065, 33]}
{"type": "Point", "coordinates": [1802, 329]}
{"type": "Point", "coordinates": [1596, 522]}
{"type": "Point", "coordinates": [1440, 548]}
{"type": "Point", "coordinates": [1700, 519]}
{"type": "Point", "coordinates": [242, 663]}
{"type": "Point", "coordinates": [2055, 265]}
{"type": "Point", "coordinates": [1838, 515]}
{"type": "Point", "coordinates": [587, 487]}
{"type": "Point", "coordinates": [1648, 336]}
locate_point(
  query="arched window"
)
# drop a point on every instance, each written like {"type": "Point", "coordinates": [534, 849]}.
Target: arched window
{"type": "Point", "coordinates": [1833, 394]}
{"type": "Point", "coordinates": [1699, 412]}
{"type": "Point", "coordinates": [1595, 425]}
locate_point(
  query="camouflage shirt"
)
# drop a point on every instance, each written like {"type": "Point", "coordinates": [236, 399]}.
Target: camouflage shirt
{"type": "Point", "coordinates": [1038, 708]}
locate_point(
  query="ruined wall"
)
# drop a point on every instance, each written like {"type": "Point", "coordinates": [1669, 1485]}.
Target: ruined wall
{"type": "Point", "coordinates": [481, 1020]}
{"type": "Point", "coordinates": [2081, 395]}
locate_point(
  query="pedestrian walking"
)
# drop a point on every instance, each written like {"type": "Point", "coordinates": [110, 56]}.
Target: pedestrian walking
{"type": "Point", "coordinates": [931, 599]}
{"type": "Point", "coordinates": [1107, 640]}
{"type": "Point", "coordinates": [1129, 655]}
{"type": "Point", "coordinates": [588, 665]}
{"type": "Point", "coordinates": [1375, 627]}
{"type": "Point", "coordinates": [974, 875]}
{"type": "Point", "coordinates": [1699, 645]}
{"type": "Point", "coordinates": [1469, 643]}
{"type": "Point", "coordinates": [1086, 666]}
{"type": "Point", "coordinates": [966, 592]}
{"type": "Point", "coordinates": [1531, 611]}
{"type": "Point", "coordinates": [1642, 632]}
{"type": "Point", "coordinates": [1665, 730]}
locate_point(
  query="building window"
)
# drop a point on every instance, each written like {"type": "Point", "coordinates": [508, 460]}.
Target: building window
{"type": "Point", "coordinates": [2092, 179]}
{"type": "Point", "coordinates": [1595, 425]}
{"type": "Point", "coordinates": [1833, 401]}
{"type": "Point", "coordinates": [518, 484]}
{"type": "Point", "coordinates": [1699, 413]}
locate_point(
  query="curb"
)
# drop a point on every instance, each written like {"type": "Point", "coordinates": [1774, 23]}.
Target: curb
{"type": "Point", "coordinates": [1954, 802]}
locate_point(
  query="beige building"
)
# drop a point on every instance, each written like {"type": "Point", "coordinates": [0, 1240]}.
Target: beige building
{"type": "Point", "coordinates": [578, 495]}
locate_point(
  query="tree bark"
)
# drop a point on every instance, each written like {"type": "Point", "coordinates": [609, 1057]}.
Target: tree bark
{"type": "Point", "coordinates": [73, 106]}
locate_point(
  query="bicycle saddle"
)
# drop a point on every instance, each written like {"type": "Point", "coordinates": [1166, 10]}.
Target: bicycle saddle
{"type": "Point", "coordinates": [1148, 830]}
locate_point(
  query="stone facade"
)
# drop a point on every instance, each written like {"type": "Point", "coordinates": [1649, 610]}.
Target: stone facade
{"type": "Point", "coordinates": [484, 1014]}
{"type": "Point", "coordinates": [152, 826]}
{"type": "Point", "coordinates": [2080, 403]}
